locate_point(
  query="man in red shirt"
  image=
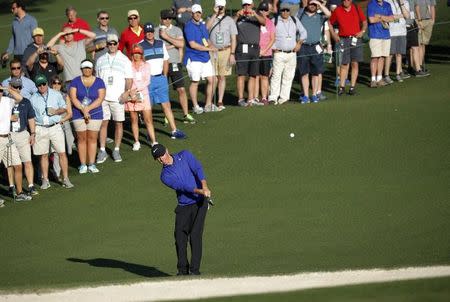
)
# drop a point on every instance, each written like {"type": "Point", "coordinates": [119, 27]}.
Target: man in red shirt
{"type": "Point", "coordinates": [133, 34]}
{"type": "Point", "coordinates": [348, 18]}
{"type": "Point", "coordinates": [74, 22]}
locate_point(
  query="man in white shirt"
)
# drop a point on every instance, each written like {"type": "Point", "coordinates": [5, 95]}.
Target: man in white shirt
{"type": "Point", "coordinates": [114, 68]}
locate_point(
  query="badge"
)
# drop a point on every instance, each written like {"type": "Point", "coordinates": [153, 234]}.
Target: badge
{"type": "Point", "coordinates": [244, 48]}
{"type": "Point", "coordinates": [205, 42]}
{"type": "Point", "coordinates": [319, 49]}
{"type": "Point", "coordinates": [219, 38]}
{"type": "Point", "coordinates": [86, 102]}
{"type": "Point", "coordinates": [175, 67]}
{"type": "Point", "coordinates": [263, 29]}
{"type": "Point", "coordinates": [138, 75]}
{"type": "Point", "coordinates": [110, 80]}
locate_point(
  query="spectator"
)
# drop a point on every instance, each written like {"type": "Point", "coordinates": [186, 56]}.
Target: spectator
{"type": "Point", "coordinates": [397, 30]}
{"type": "Point", "coordinates": [114, 68]}
{"type": "Point", "coordinates": [266, 40]}
{"type": "Point", "coordinates": [138, 100]}
{"type": "Point", "coordinates": [183, 11]}
{"type": "Point", "coordinates": [222, 31]}
{"type": "Point", "coordinates": [155, 53]}
{"type": "Point", "coordinates": [426, 16]}
{"type": "Point", "coordinates": [412, 43]}
{"type": "Point", "coordinates": [174, 40]}
{"type": "Point", "coordinates": [56, 84]}
{"type": "Point", "coordinates": [311, 53]}
{"type": "Point", "coordinates": [293, 6]}
{"type": "Point", "coordinates": [71, 51]}
{"type": "Point", "coordinates": [133, 34]}
{"type": "Point", "coordinates": [22, 29]}
{"type": "Point", "coordinates": [28, 86]}
{"type": "Point", "coordinates": [289, 37]}
{"type": "Point", "coordinates": [49, 105]}
{"type": "Point", "coordinates": [38, 41]}
{"type": "Point", "coordinates": [74, 22]}
{"type": "Point", "coordinates": [9, 155]}
{"type": "Point", "coordinates": [43, 66]}
{"type": "Point", "coordinates": [86, 94]}
{"type": "Point", "coordinates": [247, 50]}
{"type": "Point", "coordinates": [380, 14]}
{"type": "Point", "coordinates": [98, 47]}
{"type": "Point", "coordinates": [348, 18]}
{"type": "Point", "coordinates": [197, 59]}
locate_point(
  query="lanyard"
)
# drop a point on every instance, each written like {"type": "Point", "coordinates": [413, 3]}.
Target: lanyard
{"type": "Point", "coordinates": [86, 88]}
{"type": "Point", "coordinates": [112, 63]}
{"type": "Point", "coordinates": [45, 101]}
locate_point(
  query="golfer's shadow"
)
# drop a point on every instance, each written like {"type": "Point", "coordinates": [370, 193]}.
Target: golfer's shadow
{"type": "Point", "coordinates": [138, 269]}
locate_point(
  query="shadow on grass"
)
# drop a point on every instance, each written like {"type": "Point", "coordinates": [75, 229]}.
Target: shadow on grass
{"type": "Point", "coordinates": [137, 269]}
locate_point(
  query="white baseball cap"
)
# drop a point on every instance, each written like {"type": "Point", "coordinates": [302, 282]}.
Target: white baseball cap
{"type": "Point", "coordinates": [247, 2]}
{"type": "Point", "coordinates": [197, 8]}
{"type": "Point", "coordinates": [220, 3]}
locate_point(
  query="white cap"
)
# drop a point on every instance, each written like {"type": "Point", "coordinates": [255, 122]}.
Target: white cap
{"type": "Point", "coordinates": [111, 38]}
{"type": "Point", "coordinates": [197, 8]}
{"type": "Point", "coordinates": [87, 64]}
{"type": "Point", "coordinates": [220, 3]}
{"type": "Point", "coordinates": [247, 2]}
{"type": "Point", "coordinates": [133, 12]}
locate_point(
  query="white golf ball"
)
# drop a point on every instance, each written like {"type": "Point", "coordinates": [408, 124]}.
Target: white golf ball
{"type": "Point", "coordinates": [292, 134]}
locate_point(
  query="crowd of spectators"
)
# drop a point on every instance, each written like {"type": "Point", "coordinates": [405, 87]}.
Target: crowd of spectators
{"type": "Point", "coordinates": [67, 89]}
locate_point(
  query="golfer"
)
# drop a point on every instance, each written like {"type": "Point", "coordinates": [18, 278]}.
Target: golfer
{"type": "Point", "coordinates": [184, 173]}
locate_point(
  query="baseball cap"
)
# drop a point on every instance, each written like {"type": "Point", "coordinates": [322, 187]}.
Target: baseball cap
{"type": "Point", "coordinates": [196, 8]}
{"type": "Point", "coordinates": [112, 38]}
{"type": "Point", "coordinates": [133, 12]}
{"type": "Point", "coordinates": [167, 13]}
{"type": "Point", "coordinates": [285, 6]}
{"type": "Point", "coordinates": [263, 6]}
{"type": "Point", "coordinates": [220, 3]}
{"type": "Point", "coordinates": [40, 79]}
{"type": "Point", "coordinates": [38, 31]}
{"type": "Point", "coordinates": [247, 2]}
{"type": "Point", "coordinates": [149, 27]}
{"type": "Point", "coordinates": [86, 64]}
{"type": "Point", "coordinates": [158, 150]}
{"type": "Point", "coordinates": [15, 82]}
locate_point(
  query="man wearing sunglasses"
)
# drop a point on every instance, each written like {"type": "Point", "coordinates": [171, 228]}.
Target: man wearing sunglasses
{"type": "Point", "coordinates": [74, 22]}
{"type": "Point", "coordinates": [293, 6]}
{"type": "Point", "coordinates": [43, 65]}
{"type": "Point", "coordinates": [98, 47]}
{"type": "Point", "coordinates": [28, 87]}
{"type": "Point", "coordinates": [133, 34]}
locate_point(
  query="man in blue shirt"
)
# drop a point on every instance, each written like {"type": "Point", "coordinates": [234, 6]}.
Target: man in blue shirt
{"type": "Point", "coordinates": [16, 71]}
{"type": "Point", "coordinates": [184, 173]}
{"type": "Point", "coordinates": [379, 14]}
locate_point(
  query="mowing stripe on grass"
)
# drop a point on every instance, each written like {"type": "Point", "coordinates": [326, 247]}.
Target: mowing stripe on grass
{"type": "Point", "coordinates": [222, 287]}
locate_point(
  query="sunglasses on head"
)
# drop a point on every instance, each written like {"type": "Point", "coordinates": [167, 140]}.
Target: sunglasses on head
{"type": "Point", "coordinates": [104, 18]}
{"type": "Point", "coordinates": [112, 43]}
{"type": "Point", "coordinates": [132, 18]}
{"type": "Point", "coordinates": [16, 68]}
{"type": "Point", "coordinates": [42, 84]}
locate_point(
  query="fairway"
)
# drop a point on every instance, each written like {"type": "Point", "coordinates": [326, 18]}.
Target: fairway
{"type": "Point", "coordinates": [363, 184]}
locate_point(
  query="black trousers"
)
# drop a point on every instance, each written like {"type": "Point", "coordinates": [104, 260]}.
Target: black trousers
{"type": "Point", "coordinates": [189, 223]}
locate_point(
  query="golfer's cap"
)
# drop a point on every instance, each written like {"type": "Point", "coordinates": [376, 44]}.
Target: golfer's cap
{"type": "Point", "coordinates": [112, 38]}
{"type": "Point", "coordinates": [196, 8]}
{"type": "Point", "coordinates": [133, 12]}
{"type": "Point", "coordinates": [220, 3]}
{"type": "Point", "coordinates": [263, 6]}
{"type": "Point", "coordinates": [149, 27]}
{"type": "Point", "coordinates": [167, 13]}
{"type": "Point", "coordinates": [39, 79]}
{"type": "Point", "coordinates": [86, 64]}
{"type": "Point", "coordinates": [285, 5]}
{"type": "Point", "coordinates": [247, 2]}
{"type": "Point", "coordinates": [158, 150]}
{"type": "Point", "coordinates": [38, 31]}
{"type": "Point", "coordinates": [15, 82]}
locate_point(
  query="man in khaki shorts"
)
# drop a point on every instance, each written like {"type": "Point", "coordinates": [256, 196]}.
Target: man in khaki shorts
{"type": "Point", "coordinates": [22, 117]}
{"type": "Point", "coordinates": [48, 106]}
{"type": "Point", "coordinates": [9, 155]}
{"type": "Point", "coordinates": [425, 16]}
{"type": "Point", "coordinates": [222, 32]}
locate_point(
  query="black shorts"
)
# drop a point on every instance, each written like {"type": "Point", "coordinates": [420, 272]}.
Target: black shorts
{"type": "Point", "coordinates": [247, 64]}
{"type": "Point", "coordinates": [309, 61]}
{"type": "Point", "coordinates": [265, 65]}
{"type": "Point", "coordinates": [412, 36]}
{"type": "Point", "coordinates": [351, 53]}
{"type": "Point", "coordinates": [176, 76]}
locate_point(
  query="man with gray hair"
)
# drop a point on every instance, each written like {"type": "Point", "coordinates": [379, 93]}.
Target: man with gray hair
{"type": "Point", "coordinates": [75, 22]}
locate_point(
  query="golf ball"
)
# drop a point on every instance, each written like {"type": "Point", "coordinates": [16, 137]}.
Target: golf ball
{"type": "Point", "coordinates": [292, 134]}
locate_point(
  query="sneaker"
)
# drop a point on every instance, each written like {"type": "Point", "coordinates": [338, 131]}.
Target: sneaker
{"type": "Point", "coordinates": [166, 122]}
{"type": "Point", "coordinates": [387, 80]}
{"type": "Point", "coordinates": [136, 146]}
{"type": "Point", "coordinates": [197, 109]}
{"type": "Point", "coordinates": [12, 191]}
{"type": "Point", "coordinates": [405, 75]}
{"type": "Point", "coordinates": [304, 99]}
{"type": "Point", "coordinates": [101, 156]}
{"type": "Point", "coordinates": [93, 169]}
{"type": "Point", "coordinates": [220, 106]}
{"type": "Point", "coordinates": [281, 101]}
{"type": "Point", "coordinates": [255, 102]}
{"type": "Point", "coordinates": [32, 190]}
{"type": "Point", "coordinates": [188, 119]}
{"type": "Point", "coordinates": [341, 90]}
{"type": "Point", "coordinates": [322, 96]}
{"type": "Point", "coordinates": [242, 103]}
{"type": "Point", "coordinates": [23, 197]}
{"type": "Point", "coordinates": [351, 91]}
{"type": "Point", "coordinates": [116, 156]}
{"type": "Point", "coordinates": [314, 99]}
{"type": "Point", "coordinates": [265, 102]}
{"type": "Point", "coordinates": [421, 74]}
{"type": "Point", "coordinates": [45, 184]}
{"type": "Point", "coordinates": [373, 84]}
{"type": "Point", "coordinates": [273, 102]}
{"type": "Point", "coordinates": [398, 78]}
{"type": "Point", "coordinates": [210, 108]}
{"type": "Point", "coordinates": [2, 203]}
{"type": "Point", "coordinates": [67, 184]}
{"type": "Point", "coordinates": [381, 83]}
{"type": "Point", "coordinates": [177, 134]}
{"type": "Point", "coordinates": [82, 169]}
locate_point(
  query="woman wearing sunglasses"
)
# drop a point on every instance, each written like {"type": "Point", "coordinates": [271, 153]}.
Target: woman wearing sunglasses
{"type": "Point", "coordinates": [86, 94]}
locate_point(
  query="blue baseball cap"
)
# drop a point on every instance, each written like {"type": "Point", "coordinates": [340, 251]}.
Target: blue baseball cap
{"type": "Point", "coordinates": [149, 27]}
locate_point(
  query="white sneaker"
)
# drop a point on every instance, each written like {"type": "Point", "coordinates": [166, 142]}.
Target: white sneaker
{"type": "Point", "coordinates": [136, 146]}
{"type": "Point", "coordinates": [211, 108]}
{"type": "Point", "coordinates": [197, 109]}
{"type": "Point", "coordinates": [281, 102]}
{"type": "Point", "coordinates": [255, 102]}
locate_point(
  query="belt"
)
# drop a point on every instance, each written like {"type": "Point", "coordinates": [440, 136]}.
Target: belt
{"type": "Point", "coordinates": [4, 135]}
{"type": "Point", "coordinates": [311, 44]}
{"type": "Point", "coordinates": [285, 51]}
{"type": "Point", "coordinates": [157, 75]}
{"type": "Point", "coordinates": [224, 48]}
{"type": "Point", "coordinates": [47, 126]}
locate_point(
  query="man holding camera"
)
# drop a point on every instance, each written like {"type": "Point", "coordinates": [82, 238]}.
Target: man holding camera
{"type": "Point", "coordinates": [43, 64]}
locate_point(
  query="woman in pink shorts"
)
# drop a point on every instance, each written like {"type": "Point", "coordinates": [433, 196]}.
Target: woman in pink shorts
{"type": "Point", "coordinates": [138, 100]}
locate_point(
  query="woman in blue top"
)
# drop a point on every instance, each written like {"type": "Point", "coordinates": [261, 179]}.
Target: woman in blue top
{"type": "Point", "coordinates": [86, 94]}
